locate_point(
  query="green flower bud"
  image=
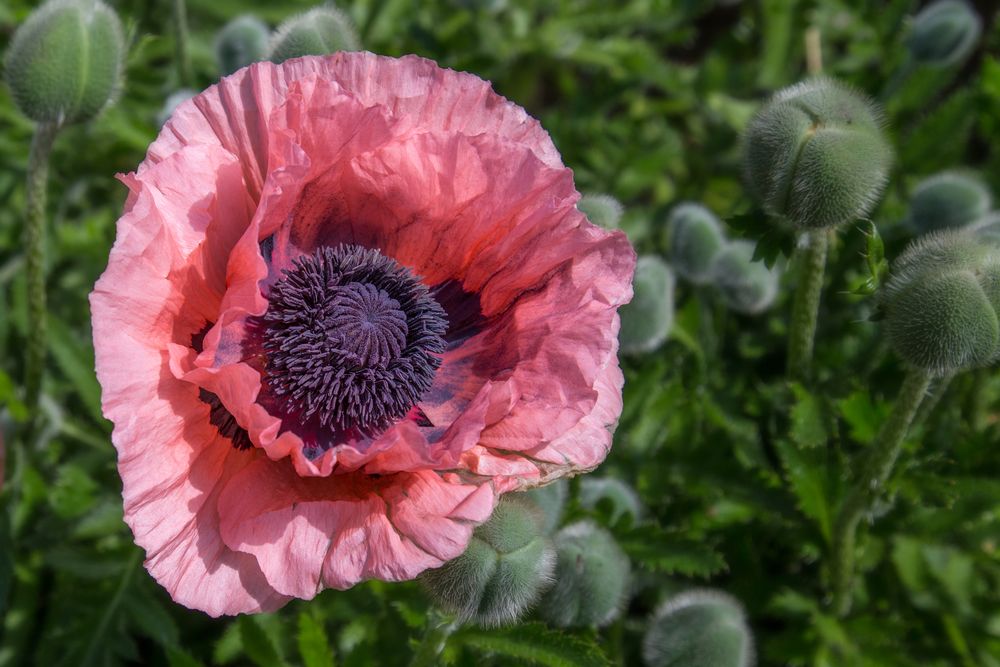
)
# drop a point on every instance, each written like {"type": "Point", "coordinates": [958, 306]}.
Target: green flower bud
{"type": "Point", "coordinates": [647, 319]}
{"type": "Point", "coordinates": [551, 499]}
{"type": "Point", "coordinates": [592, 576]}
{"type": "Point", "coordinates": [694, 238]}
{"type": "Point", "coordinates": [947, 200]}
{"type": "Point", "coordinates": [602, 210]}
{"type": "Point", "coordinates": [316, 33]}
{"type": "Point", "coordinates": [623, 499]}
{"type": "Point", "coordinates": [988, 228]}
{"type": "Point", "coordinates": [944, 33]}
{"type": "Point", "coordinates": [242, 41]}
{"type": "Point", "coordinates": [746, 286]}
{"type": "Point", "coordinates": [941, 302]}
{"type": "Point", "coordinates": [816, 155]}
{"type": "Point", "coordinates": [507, 564]}
{"type": "Point", "coordinates": [699, 629]}
{"type": "Point", "coordinates": [172, 102]}
{"type": "Point", "coordinates": [65, 63]}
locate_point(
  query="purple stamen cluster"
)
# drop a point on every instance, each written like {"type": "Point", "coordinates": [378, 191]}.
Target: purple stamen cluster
{"type": "Point", "coordinates": [351, 340]}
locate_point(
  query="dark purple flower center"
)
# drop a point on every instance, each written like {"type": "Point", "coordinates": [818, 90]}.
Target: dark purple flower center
{"type": "Point", "coordinates": [351, 340]}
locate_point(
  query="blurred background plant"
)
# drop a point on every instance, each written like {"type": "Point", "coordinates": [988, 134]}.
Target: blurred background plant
{"type": "Point", "coordinates": [724, 474]}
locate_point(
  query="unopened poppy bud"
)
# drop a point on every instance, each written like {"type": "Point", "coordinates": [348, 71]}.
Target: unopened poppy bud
{"type": "Point", "coordinates": [242, 41]}
{"type": "Point", "coordinates": [507, 564]}
{"type": "Point", "coordinates": [987, 228]}
{"type": "Point", "coordinates": [944, 33]}
{"type": "Point", "coordinates": [623, 499]}
{"type": "Point", "coordinates": [551, 499]}
{"type": "Point", "coordinates": [591, 578]}
{"type": "Point", "coordinates": [316, 33]}
{"type": "Point", "coordinates": [816, 155]}
{"type": "Point", "coordinates": [746, 286]}
{"type": "Point", "coordinates": [946, 200]}
{"type": "Point", "coordinates": [647, 319]}
{"type": "Point", "coordinates": [699, 629]}
{"type": "Point", "coordinates": [941, 302]}
{"type": "Point", "coordinates": [694, 238]}
{"type": "Point", "coordinates": [602, 210]}
{"type": "Point", "coordinates": [65, 63]}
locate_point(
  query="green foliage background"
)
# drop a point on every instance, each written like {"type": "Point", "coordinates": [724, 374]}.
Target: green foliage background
{"type": "Point", "coordinates": [739, 472]}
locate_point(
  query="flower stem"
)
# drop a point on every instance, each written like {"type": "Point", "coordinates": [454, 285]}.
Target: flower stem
{"type": "Point", "coordinates": [180, 43]}
{"type": "Point", "coordinates": [439, 628]}
{"type": "Point", "coordinates": [34, 242]}
{"type": "Point", "coordinates": [805, 307]}
{"type": "Point", "coordinates": [874, 472]}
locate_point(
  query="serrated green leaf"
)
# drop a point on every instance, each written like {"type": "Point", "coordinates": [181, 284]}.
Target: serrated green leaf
{"type": "Point", "coordinates": [805, 478]}
{"type": "Point", "coordinates": [534, 644]}
{"type": "Point", "coordinates": [314, 646]}
{"type": "Point", "coordinates": [807, 429]}
{"type": "Point", "coordinates": [863, 417]}
{"type": "Point", "coordinates": [660, 551]}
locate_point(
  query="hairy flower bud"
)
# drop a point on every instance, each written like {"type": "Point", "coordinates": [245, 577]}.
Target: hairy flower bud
{"type": "Point", "coordinates": [816, 155]}
{"type": "Point", "coordinates": [507, 564]}
{"type": "Point", "coordinates": [941, 302]}
{"type": "Point", "coordinates": [602, 210]}
{"type": "Point", "coordinates": [242, 41]}
{"type": "Point", "coordinates": [694, 238]}
{"type": "Point", "coordinates": [699, 628]}
{"type": "Point", "coordinates": [746, 286]}
{"type": "Point", "coordinates": [65, 63]}
{"type": "Point", "coordinates": [318, 32]}
{"type": "Point", "coordinates": [946, 200]}
{"type": "Point", "coordinates": [551, 499]}
{"type": "Point", "coordinates": [944, 33]}
{"type": "Point", "coordinates": [647, 319]}
{"type": "Point", "coordinates": [623, 499]}
{"type": "Point", "coordinates": [592, 576]}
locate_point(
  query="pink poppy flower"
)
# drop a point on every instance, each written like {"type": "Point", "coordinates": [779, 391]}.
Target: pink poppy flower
{"type": "Point", "coordinates": [350, 303]}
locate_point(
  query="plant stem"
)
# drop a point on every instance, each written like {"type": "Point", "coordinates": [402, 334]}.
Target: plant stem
{"type": "Point", "coordinates": [934, 397]}
{"type": "Point", "coordinates": [874, 472]}
{"type": "Point", "coordinates": [34, 242]}
{"type": "Point", "coordinates": [180, 43]}
{"type": "Point", "coordinates": [439, 628]}
{"type": "Point", "coordinates": [805, 306]}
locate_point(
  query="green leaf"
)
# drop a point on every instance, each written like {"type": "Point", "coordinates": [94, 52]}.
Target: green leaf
{"type": "Point", "coordinates": [863, 417]}
{"type": "Point", "coordinates": [661, 551]}
{"type": "Point", "coordinates": [258, 645]}
{"type": "Point", "coordinates": [76, 361]}
{"type": "Point", "coordinates": [314, 647]}
{"type": "Point", "coordinates": [808, 429]}
{"type": "Point", "coordinates": [805, 477]}
{"type": "Point", "coordinates": [178, 658]}
{"type": "Point", "coordinates": [534, 644]}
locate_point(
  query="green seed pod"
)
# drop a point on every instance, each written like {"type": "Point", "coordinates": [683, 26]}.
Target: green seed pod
{"type": "Point", "coordinates": [602, 210]}
{"type": "Point", "coordinates": [946, 200]}
{"type": "Point", "coordinates": [506, 566]}
{"type": "Point", "coordinates": [65, 63]}
{"type": "Point", "coordinates": [551, 499]}
{"type": "Point", "coordinates": [941, 302]}
{"type": "Point", "coordinates": [623, 499]}
{"type": "Point", "coordinates": [699, 629]}
{"type": "Point", "coordinates": [944, 33]}
{"type": "Point", "coordinates": [592, 576]}
{"type": "Point", "coordinates": [647, 319]}
{"type": "Point", "coordinates": [746, 286]}
{"type": "Point", "coordinates": [694, 238]}
{"type": "Point", "coordinates": [318, 32]}
{"type": "Point", "coordinates": [242, 41]}
{"type": "Point", "coordinates": [172, 102]}
{"type": "Point", "coordinates": [816, 155]}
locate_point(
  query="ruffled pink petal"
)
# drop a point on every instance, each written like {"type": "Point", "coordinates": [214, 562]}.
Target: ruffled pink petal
{"type": "Point", "coordinates": [313, 533]}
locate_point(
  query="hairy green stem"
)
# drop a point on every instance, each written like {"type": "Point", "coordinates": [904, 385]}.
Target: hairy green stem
{"type": "Point", "coordinates": [805, 306]}
{"type": "Point", "coordinates": [180, 43]}
{"type": "Point", "coordinates": [439, 628]}
{"type": "Point", "coordinates": [875, 471]}
{"type": "Point", "coordinates": [934, 397]}
{"type": "Point", "coordinates": [34, 248]}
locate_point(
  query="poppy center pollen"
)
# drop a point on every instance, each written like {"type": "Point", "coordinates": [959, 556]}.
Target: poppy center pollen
{"type": "Point", "coordinates": [351, 340]}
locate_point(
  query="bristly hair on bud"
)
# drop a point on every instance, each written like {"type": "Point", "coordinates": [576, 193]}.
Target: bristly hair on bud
{"type": "Point", "coordinates": [947, 200]}
{"type": "Point", "coordinates": [64, 64]}
{"type": "Point", "coordinates": [815, 154]}
{"type": "Point", "coordinates": [746, 286]}
{"type": "Point", "coordinates": [602, 210]}
{"type": "Point", "coordinates": [944, 33]}
{"type": "Point", "coordinates": [592, 578]}
{"type": "Point", "coordinates": [648, 318]}
{"type": "Point", "coordinates": [694, 239]}
{"type": "Point", "coordinates": [699, 628]}
{"type": "Point", "coordinates": [242, 41]}
{"type": "Point", "coordinates": [318, 32]}
{"type": "Point", "coordinates": [506, 566]}
{"type": "Point", "coordinates": [551, 499]}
